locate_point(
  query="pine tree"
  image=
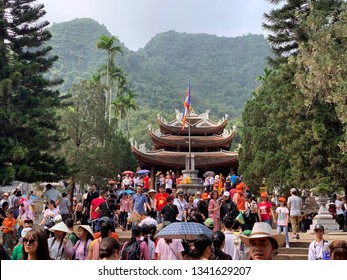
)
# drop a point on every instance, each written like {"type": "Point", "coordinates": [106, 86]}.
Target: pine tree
{"type": "Point", "coordinates": [30, 120]}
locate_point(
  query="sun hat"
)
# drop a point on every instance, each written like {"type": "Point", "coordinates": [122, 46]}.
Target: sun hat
{"type": "Point", "coordinates": [209, 222]}
{"type": "Point", "coordinates": [263, 194]}
{"type": "Point", "coordinates": [60, 227]}
{"type": "Point", "coordinates": [318, 227]}
{"type": "Point", "coordinates": [5, 193]}
{"type": "Point", "coordinates": [226, 193]}
{"type": "Point", "coordinates": [282, 199]}
{"type": "Point", "coordinates": [261, 230]}
{"type": "Point", "coordinates": [86, 227]}
{"type": "Point", "coordinates": [25, 231]}
{"type": "Point", "coordinates": [216, 177]}
{"type": "Point", "coordinates": [152, 191]}
{"type": "Point", "coordinates": [204, 196]}
{"type": "Point", "coordinates": [198, 193]}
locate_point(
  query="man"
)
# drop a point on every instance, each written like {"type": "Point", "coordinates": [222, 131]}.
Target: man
{"type": "Point", "coordinates": [51, 194]}
{"type": "Point", "coordinates": [228, 207]}
{"type": "Point", "coordinates": [295, 206]}
{"type": "Point", "coordinates": [92, 194]}
{"type": "Point", "coordinates": [181, 204]}
{"type": "Point", "coordinates": [64, 207]}
{"type": "Point", "coordinates": [160, 201]}
{"type": "Point", "coordinates": [139, 201]}
{"type": "Point", "coordinates": [94, 214]}
{"type": "Point", "coordinates": [315, 250]}
{"type": "Point", "coordinates": [148, 220]}
{"type": "Point", "coordinates": [197, 198]}
{"type": "Point", "coordinates": [169, 211]}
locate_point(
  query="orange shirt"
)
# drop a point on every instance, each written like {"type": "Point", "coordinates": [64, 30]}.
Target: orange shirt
{"type": "Point", "coordinates": [8, 223]}
{"type": "Point", "coordinates": [113, 235]}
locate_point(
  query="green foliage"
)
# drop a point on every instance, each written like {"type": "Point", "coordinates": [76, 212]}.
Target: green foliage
{"type": "Point", "coordinates": [30, 136]}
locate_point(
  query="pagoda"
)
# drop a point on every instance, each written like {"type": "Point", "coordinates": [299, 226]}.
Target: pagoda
{"type": "Point", "coordinates": [209, 146]}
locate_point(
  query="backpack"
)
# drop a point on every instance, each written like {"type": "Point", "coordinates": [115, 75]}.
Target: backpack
{"type": "Point", "coordinates": [132, 251]}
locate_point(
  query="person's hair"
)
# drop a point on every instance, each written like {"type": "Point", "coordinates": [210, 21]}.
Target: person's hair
{"type": "Point", "coordinates": [42, 252]}
{"type": "Point", "coordinates": [49, 186]}
{"type": "Point", "coordinates": [102, 192]}
{"type": "Point", "coordinates": [145, 232]}
{"type": "Point", "coordinates": [106, 227]}
{"type": "Point", "coordinates": [135, 232]}
{"type": "Point", "coordinates": [28, 221]}
{"type": "Point", "coordinates": [152, 231]}
{"type": "Point", "coordinates": [228, 222]}
{"type": "Point", "coordinates": [169, 199]}
{"type": "Point", "coordinates": [338, 250]}
{"type": "Point", "coordinates": [274, 244]}
{"type": "Point", "coordinates": [218, 238]}
{"type": "Point", "coordinates": [69, 222]}
{"type": "Point", "coordinates": [108, 247]}
{"type": "Point", "coordinates": [52, 202]}
{"type": "Point", "coordinates": [4, 204]}
{"type": "Point", "coordinates": [64, 194]}
{"type": "Point", "coordinates": [3, 253]}
{"type": "Point", "coordinates": [10, 211]}
{"type": "Point", "coordinates": [201, 242]}
{"type": "Point", "coordinates": [214, 192]}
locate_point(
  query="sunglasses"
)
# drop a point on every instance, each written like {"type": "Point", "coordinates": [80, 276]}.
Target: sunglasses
{"type": "Point", "coordinates": [28, 241]}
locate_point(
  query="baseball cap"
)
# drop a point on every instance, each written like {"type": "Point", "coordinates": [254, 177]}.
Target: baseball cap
{"type": "Point", "coordinates": [283, 199]}
{"type": "Point", "coordinates": [293, 190]}
{"type": "Point", "coordinates": [204, 196]}
{"type": "Point", "coordinates": [198, 193]}
{"type": "Point", "coordinates": [318, 227]}
{"type": "Point", "coordinates": [209, 222]}
{"type": "Point", "coordinates": [226, 193]}
{"type": "Point", "coordinates": [180, 193]}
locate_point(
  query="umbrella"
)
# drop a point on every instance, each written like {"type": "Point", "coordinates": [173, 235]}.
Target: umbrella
{"type": "Point", "coordinates": [143, 172]}
{"type": "Point", "coordinates": [128, 172]}
{"type": "Point", "coordinates": [183, 230]}
{"type": "Point", "coordinates": [208, 173]}
{"type": "Point", "coordinates": [127, 192]}
{"type": "Point", "coordinates": [34, 198]}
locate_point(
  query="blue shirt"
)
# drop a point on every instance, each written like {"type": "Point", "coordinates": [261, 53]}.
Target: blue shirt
{"type": "Point", "coordinates": [139, 201]}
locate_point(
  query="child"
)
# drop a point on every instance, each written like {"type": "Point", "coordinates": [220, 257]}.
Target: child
{"type": "Point", "coordinates": [8, 229]}
{"type": "Point", "coordinates": [282, 219]}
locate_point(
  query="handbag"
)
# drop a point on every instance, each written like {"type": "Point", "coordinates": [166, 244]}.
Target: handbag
{"type": "Point", "coordinates": [49, 222]}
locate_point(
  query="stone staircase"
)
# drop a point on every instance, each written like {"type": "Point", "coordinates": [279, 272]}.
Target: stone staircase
{"type": "Point", "coordinates": [298, 251]}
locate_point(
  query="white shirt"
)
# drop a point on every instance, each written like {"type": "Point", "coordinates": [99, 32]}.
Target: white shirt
{"type": "Point", "coordinates": [181, 204]}
{"type": "Point", "coordinates": [148, 221]}
{"type": "Point", "coordinates": [229, 247]}
{"type": "Point", "coordinates": [339, 210]}
{"type": "Point", "coordinates": [315, 250]}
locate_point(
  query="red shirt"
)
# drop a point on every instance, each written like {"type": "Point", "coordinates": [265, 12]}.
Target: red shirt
{"type": "Point", "coordinates": [161, 200]}
{"type": "Point", "coordinates": [264, 208]}
{"type": "Point", "coordinates": [146, 182]}
{"type": "Point", "coordinates": [95, 204]}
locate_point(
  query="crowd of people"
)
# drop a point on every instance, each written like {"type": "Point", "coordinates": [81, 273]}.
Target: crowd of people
{"type": "Point", "coordinates": [241, 225]}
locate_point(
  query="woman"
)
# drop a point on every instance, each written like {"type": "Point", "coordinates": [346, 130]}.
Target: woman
{"type": "Point", "coordinates": [262, 242]}
{"type": "Point", "coordinates": [35, 245]}
{"type": "Point", "coordinates": [218, 241]}
{"type": "Point", "coordinates": [135, 237]}
{"type": "Point", "coordinates": [265, 212]}
{"type": "Point", "coordinates": [55, 244]}
{"type": "Point", "coordinates": [109, 249]}
{"type": "Point", "coordinates": [203, 247]}
{"type": "Point", "coordinates": [94, 248]}
{"type": "Point", "coordinates": [81, 248]}
{"type": "Point", "coordinates": [338, 250]}
{"type": "Point", "coordinates": [145, 237]}
{"type": "Point", "coordinates": [48, 216]}
{"type": "Point", "coordinates": [169, 249]}
{"type": "Point", "coordinates": [151, 204]}
{"type": "Point", "coordinates": [190, 211]}
{"type": "Point", "coordinates": [214, 210]}
{"type": "Point", "coordinates": [124, 210]}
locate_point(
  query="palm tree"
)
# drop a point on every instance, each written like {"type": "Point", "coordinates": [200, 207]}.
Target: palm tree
{"type": "Point", "coordinates": [112, 46]}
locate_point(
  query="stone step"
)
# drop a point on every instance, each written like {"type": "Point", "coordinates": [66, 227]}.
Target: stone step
{"type": "Point", "coordinates": [290, 257]}
{"type": "Point", "coordinates": [293, 251]}
{"type": "Point", "coordinates": [300, 244]}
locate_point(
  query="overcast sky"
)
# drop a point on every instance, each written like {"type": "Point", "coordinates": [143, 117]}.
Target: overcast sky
{"type": "Point", "coordinates": [135, 22]}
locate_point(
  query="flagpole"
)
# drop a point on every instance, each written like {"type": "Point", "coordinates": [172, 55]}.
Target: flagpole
{"type": "Point", "coordinates": [189, 142]}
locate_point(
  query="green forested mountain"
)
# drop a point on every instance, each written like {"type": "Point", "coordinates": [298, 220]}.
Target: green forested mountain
{"type": "Point", "coordinates": [222, 70]}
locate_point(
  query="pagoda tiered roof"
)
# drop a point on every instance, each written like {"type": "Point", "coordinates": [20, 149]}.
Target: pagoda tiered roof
{"type": "Point", "coordinates": [222, 141]}
{"type": "Point", "coordinates": [177, 159]}
{"type": "Point", "coordinates": [200, 124]}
